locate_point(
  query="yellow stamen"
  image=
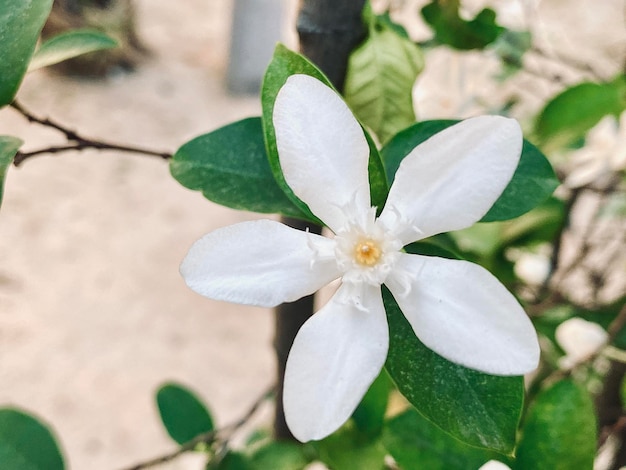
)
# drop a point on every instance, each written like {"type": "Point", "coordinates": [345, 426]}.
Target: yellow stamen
{"type": "Point", "coordinates": [367, 252]}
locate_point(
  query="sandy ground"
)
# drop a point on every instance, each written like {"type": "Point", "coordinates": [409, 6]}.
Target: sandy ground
{"type": "Point", "coordinates": [93, 313]}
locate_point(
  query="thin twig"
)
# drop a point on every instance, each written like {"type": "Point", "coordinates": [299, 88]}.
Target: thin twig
{"type": "Point", "coordinates": [80, 142]}
{"type": "Point", "coordinates": [208, 437]}
{"type": "Point", "coordinates": [567, 61]}
{"type": "Point", "coordinates": [586, 236]}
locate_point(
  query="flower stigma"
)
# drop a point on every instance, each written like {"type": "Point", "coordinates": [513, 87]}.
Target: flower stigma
{"type": "Point", "coordinates": [367, 252]}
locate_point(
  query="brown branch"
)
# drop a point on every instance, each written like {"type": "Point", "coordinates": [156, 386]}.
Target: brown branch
{"type": "Point", "coordinates": [79, 142]}
{"type": "Point", "coordinates": [209, 437]}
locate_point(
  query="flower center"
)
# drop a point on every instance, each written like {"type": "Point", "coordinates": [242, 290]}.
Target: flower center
{"type": "Point", "coordinates": [367, 252]}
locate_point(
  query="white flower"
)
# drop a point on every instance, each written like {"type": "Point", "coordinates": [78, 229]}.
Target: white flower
{"type": "Point", "coordinates": [456, 308]}
{"type": "Point", "coordinates": [579, 339]}
{"type": "Point", "coordinates": [495, 465]}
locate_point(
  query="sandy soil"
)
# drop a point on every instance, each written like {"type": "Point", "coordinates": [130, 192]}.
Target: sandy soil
{"type": "Point", "coordinates": [93, 313]}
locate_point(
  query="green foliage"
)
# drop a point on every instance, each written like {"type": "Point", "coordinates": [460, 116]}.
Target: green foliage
{"type": "Point", "coordinates": [417, 444]}
{"type": "Point", "coordinates": [68, 45]}
{"type": "Point", "coordinates": [568, 116]}
{"type": "Point", "coordinates": [20, 24]}
{"type": "Point", "coordinates": [370, 414]}
{"type": "Point", "coordinates": [261, 453]}
{"type": "Point", "coordinates": [432, 247]}
{"type": "Point", "coordinates": [230, 167]}
{"type": "Point", "coordinates": [284, 64]}
{"type": "Point", "coordinates": [279, 455]}
{"type": "Point", "coordinates": [380, 77]}
{"type": "Point", "coordinates": [26, 443]}
{"type": "Point", "coordinates": [8, 148]}
{"type": "Point", "coordinates": [560, 430]}
{"type": "Point", "coordinates": [349, 448]}
{"type": "Point", "coordinates": [533, 182]}
{"type": "Point", "coordinates": [182, 413]}
{"type": "Point", "coordinates": [452, 30]}
{"type": "Point", "coordinates": [478, 409]}
{"type": "Point", "coordinates": [231, 461]}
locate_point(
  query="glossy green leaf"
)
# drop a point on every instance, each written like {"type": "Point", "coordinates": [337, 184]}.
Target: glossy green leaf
{"type": "Point", "coordinates": [20, 24]}
{"type": "Point", "coordinates": [230, 167]}
{"type": "Point", "coordinates": [568, 116]}
{"type": "Point", "coordinates": [8, 148]}
{"type": "Point", "coordinates": [231, 461]}
{"type": "Point", "coordinates": [533, 182]}
{"type": "Point", "coordinates": [284, 64]}
{"type": "Point", "coordinates": [26, 443]}
{"type": "Point", "coordinates": [68, 45]}
{"type": "Point", "coordinates": [417, 444]}
{"type": "Point", "coordinates": [380, 77]}
{"type": "Point", "coordinates": [479, 409]}
{"type": "Point", "coordinates": [430, 247]}
{"type": "Point", "coordinates": [349, 449]}
{"type": "Point", "coordinates": [370, 414]}
{"type": "Point", "coordinates": [452, 30]}
{"type": "Point", "coordinates": [279, 455]}
{"type": "Point", "coordinates": [560, 430]}
{"type": "Point", "coordinates": [182, 413]}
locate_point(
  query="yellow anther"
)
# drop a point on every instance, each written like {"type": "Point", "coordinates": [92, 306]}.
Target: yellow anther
{"type": "Point", "coordinates": [367, 253]}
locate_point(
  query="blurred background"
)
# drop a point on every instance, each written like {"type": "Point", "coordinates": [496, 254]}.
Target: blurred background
{"type": "Point", "coordinates": [93, 313]}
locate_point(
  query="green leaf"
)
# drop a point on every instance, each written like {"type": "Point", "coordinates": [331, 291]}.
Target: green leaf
{"type": "Point", "coordinates": [68, 45]}
{"type": "Point", "coordinates": [26, 443]}
{"type": "Point", "coordinates": [348, 449]}
{"type": "Point", "coordinates": [370, 414]}
{"type": "Point", "coordinates": [417, 444]}
{"type": "Point", "coordinates": [8, 148]}
{"type": "Point", "coordinates": [379, 81]}
{"type": "Point", "coordinates": [451, 29]}
{"type": "Point", "coordinates": [568, 116]}
{"type": "Point", "coordinates": [284, 64]}
{"type": "Point", "coordinates": [430, 247]}
{"type": "Point", "coordinates": [533, 182]}
{"type": "Point", "coordinates": [479, 409]}
{"type": "Point", "coordinates": [20, 24]}
{"type": "Point", "coordinates": [277, 455]}
{"type": "Point", "coordinates": [231, 461]}
{"type": "Point", "coordinates": [182, 413]}
{"type": "Point", "coordinates": [560, 430]}
{"type": "Point", "coordinates": [230, 167]}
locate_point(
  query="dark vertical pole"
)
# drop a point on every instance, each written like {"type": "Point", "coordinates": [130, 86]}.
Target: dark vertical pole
{"type": "Point", "coordinates": [329, 30]}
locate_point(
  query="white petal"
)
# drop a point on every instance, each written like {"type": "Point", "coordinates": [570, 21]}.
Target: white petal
{"type": "Point", "coordinates": [451, 180]}
{"type": "Point", "coordinates": [334, 359]}
{"type": "Point", "coordinates": [262, 263]}
{"type": "Point", "coordinates": [463, 313]}
{"type": "Point", "coordinates": [495, 465]}
{"type": "Point", "coordinates": [322, 149]}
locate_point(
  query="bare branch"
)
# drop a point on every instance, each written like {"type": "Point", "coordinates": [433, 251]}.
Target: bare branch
{"type": "Point", "coordinates": [210, 437]}
{"type": "Point", "coordinates": [80, 142]}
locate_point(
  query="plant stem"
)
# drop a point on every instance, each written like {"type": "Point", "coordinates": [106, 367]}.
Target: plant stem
{"type": "Point", "coordinates": [329, 30]}
{"type": "Point", "coordinates": [207, 438]}
{"type": "Point", "coordinates": [78, 142]}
